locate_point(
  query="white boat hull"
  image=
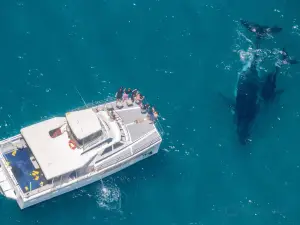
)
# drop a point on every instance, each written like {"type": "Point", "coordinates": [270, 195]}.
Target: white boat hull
{"type": "Point", "coordinates": [138, 140]}
{"type": "Point", "coordinates": [97, 177]}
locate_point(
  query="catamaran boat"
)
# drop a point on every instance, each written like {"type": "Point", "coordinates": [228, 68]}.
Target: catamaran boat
{"type": "Point", "coordinates": [65, 153]}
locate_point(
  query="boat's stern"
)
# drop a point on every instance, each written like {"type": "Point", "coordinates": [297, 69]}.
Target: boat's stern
{"type": "Point", "coordinates": [6, 188]}
{"type": "Point", "coordinates": [8, 185]}
{"type": "Point", "coordinates": [21, 177]}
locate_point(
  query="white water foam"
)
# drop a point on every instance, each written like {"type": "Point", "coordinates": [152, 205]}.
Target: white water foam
{"type": "Point", "coordinates": [109, 196]}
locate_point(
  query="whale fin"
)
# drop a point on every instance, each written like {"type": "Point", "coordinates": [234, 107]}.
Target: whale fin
{"type": "Point", "coordinates": [293, 61]}
{"type": "Point", "coordinates": [229, 102]}
{"type": "Point", "coordinates": [286, 59]}
{"type": "Point", "coordinates": [273, 30]}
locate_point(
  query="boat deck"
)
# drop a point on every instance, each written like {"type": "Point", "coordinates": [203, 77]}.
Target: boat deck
{"type": "Point", "coordinates": [136, 130]}
{"type": "Point", "coordinates": [25, 169]}
{"type": "Point", "coordinates": [129, 114]}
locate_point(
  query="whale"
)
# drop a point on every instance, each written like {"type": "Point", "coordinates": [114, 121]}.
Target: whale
{"type": "Point", "coordinates": [269, 90]}
{"type": "Point", "coordinates": [247, 99]}
{"type": "Point", "coordinates": [246, 103]}
{"type": "Point", "coordinates": [260, 31]}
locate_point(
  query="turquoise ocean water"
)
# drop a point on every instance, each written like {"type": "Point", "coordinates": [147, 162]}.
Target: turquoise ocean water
{"type": "Point", "coordinates": [180, 54]}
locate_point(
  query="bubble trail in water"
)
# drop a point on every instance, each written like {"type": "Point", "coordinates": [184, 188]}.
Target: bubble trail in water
{"type": "Point", "coordinates": [109, 196]}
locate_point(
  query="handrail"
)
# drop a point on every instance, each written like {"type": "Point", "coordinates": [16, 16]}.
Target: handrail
{"type": "Point", "coordinates": [159, 128]}
{"type": "Point", "coordinates": [8, 170]}
{"type": "Point", "coordinates": [154, 141]}
{"type": "Point", "coordinates": [11, 179]}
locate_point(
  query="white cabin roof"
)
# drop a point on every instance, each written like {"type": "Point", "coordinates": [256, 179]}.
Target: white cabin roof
{"type": "Point", "coordinates": [54, 155]}
{"type": "Point", "coordinates": [83, 123]}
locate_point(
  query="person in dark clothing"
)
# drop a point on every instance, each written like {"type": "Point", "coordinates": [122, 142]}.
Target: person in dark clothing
{"type": "Point", "coordinates": [129, 93]}
{"type": "Point", "coordinates": [152, 114]}
{"type": "Point", "coordinates": [145, 108]}
{"type": "Point", "coordinates": [133, 94]}
{"type": "Point", "coordinates": [119, 94]}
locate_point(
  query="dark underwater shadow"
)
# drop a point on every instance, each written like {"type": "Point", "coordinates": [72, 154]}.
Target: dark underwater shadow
{"type": "Point", "coordinates": [242, 152]}
{"type": "Point", "coordinates": [268, 116]}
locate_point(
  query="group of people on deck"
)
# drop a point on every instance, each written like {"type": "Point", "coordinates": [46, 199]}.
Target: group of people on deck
{"type": "Point", "coordinates": [125, 94]}
{"type": "Point", "coordinates": [134, 95]}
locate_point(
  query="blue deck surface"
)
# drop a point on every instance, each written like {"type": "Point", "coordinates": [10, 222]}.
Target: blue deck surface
{"type": "Point", "coordinates": [22, 169]}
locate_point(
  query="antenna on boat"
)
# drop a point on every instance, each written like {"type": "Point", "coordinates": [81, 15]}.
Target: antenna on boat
{"type": "Point", "coordinates": [84, 104]}
{"type": "Point", "coordinates": [80, 96]}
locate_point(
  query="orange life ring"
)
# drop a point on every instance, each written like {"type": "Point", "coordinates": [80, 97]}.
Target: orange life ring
{"type": "Point", "coordinates": [72, 144]}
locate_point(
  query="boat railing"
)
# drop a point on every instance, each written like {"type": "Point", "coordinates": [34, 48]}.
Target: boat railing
{"type": "Point", "coordinates": [6, 168]}
{"type": "Point", "coordinates": [157, 123]}
{"type": "Point", "coordinates": [121, 157]}
{"type": "Point", "coordinates": [10, 178]}
{"type": "Point", "coordinates": [159, 128]}
{"type": "Point", "coordinates": [119, 162]}
{"type": "Point", "coordinates": [38, 190]}
{"type": "Point", "coordinates": [153, 141]}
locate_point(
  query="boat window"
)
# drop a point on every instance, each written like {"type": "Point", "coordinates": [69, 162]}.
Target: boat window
{"type": "Point", "coordinates": [107, 141]}
{"type": "Point", "coordinates": [73, 175]}
{"type": "Point", "coordinates": [89, 138]}
{"type": "Point", "coordinates": [117, 145]}
{"type": "Point", "coordinates": [107, 150]}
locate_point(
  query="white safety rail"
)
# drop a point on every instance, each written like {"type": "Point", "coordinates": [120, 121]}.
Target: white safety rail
{"type": "Point", "coordinates": [127, 153]}
{"type": "Point", "coordinates": [110, 164]}
{"type": "Point", "coordinates": [7, 180]}
{"type": "Point", "coordinates": [159, 128]}
{"type": "Point", "coordinates": [5, 187]}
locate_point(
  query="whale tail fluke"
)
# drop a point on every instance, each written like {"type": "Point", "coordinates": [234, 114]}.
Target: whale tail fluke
{"type": "Point", "coordinates": [275, 30]}
{"type": "Point", "coordinates": [260, 30]}
{"type": "Point", "coordinates": [249, 26]}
